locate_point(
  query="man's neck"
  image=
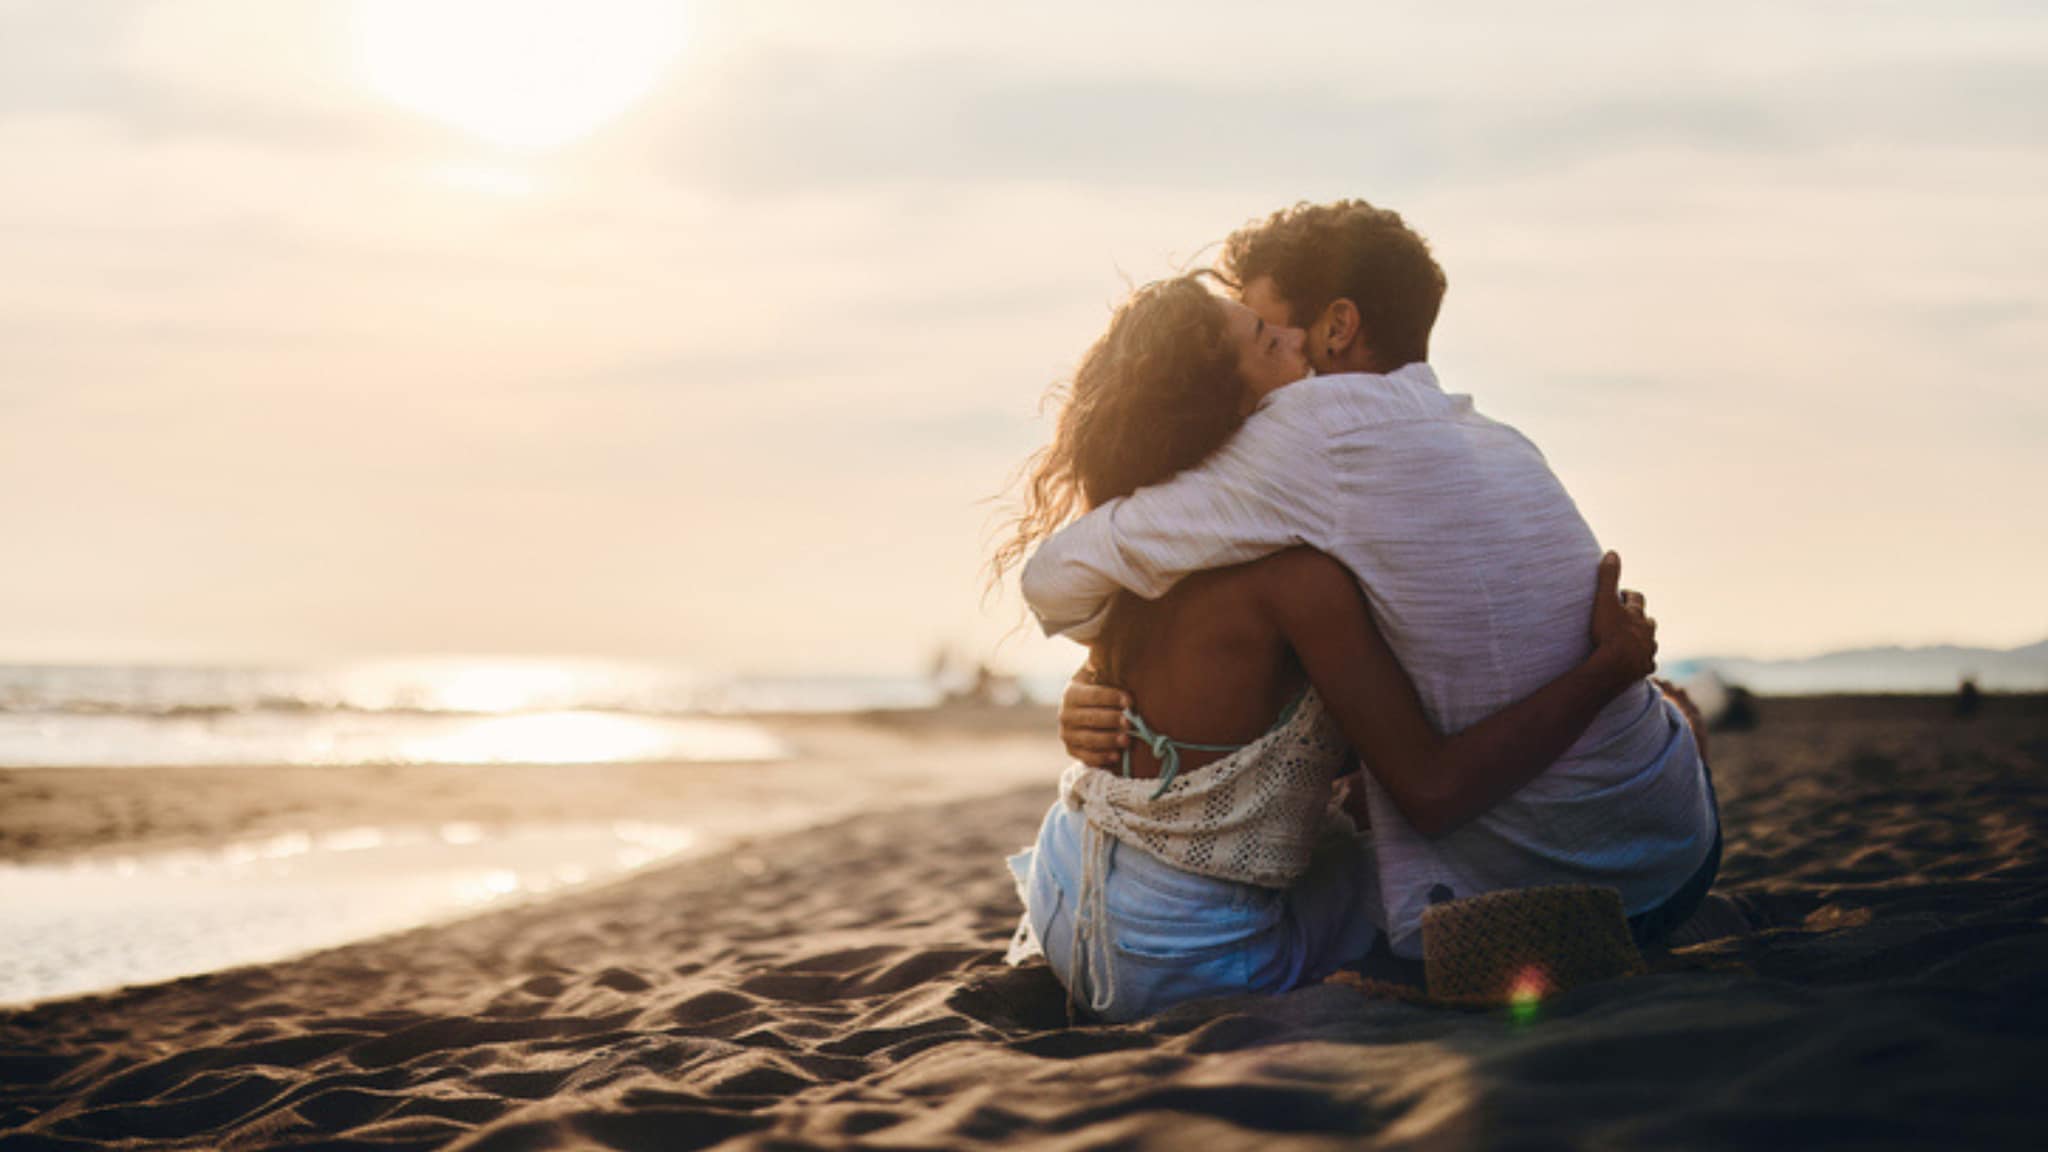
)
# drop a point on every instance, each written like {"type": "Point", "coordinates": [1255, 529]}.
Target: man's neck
{"type": "Point", "coordinates": [1358, 359]}
{"type": "Point", "coordinates": [1363, 365]}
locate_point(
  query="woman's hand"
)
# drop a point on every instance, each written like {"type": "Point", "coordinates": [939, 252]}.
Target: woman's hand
{"type": "Point", "coordinates": [1624, 636]}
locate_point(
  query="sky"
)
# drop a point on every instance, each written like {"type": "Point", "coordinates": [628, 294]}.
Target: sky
{"type": "Point", "coordinates": [712, 332]}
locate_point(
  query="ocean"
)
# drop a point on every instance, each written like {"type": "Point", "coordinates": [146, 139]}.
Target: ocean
{"type": "Point", "coordinates": [440, 711]}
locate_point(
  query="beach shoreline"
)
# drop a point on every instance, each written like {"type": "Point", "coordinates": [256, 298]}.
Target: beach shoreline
{"type": "Point", "coordinates": [837, 763]}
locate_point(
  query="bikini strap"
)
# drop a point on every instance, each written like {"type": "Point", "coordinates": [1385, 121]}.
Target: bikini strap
{"type": "Point", "coordinates": [1167, 750]}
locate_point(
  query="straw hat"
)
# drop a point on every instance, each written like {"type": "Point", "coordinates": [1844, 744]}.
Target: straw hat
{"type": "Point", "coordinates": [1526, 942]}
{"type": "Point", "coordinates": [1515, 947]}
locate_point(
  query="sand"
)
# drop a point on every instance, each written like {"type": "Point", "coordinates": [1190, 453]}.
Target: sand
{"type": "Point", "coordinates": [842, 986]}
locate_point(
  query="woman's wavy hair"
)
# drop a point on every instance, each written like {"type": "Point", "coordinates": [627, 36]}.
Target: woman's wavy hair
{"type": "Point", "coordinates": [1154, 396]}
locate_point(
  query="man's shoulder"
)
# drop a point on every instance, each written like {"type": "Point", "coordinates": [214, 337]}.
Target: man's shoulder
{"type": "Point", "coordinates": [1311, 409]}
{"type": "Point", "coordinates": [1352, 399]}
{"type": "Point", "coordinates": [1296, 417]}
{"type": "Point", "coordinates": [1313, 391]}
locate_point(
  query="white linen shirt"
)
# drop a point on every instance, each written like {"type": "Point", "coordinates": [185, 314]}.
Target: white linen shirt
{"type": "Point", "coordinates": [1481, 574]}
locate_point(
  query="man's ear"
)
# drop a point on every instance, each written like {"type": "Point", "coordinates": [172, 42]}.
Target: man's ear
{"type": "Point", "coordinates": [1338, 328]}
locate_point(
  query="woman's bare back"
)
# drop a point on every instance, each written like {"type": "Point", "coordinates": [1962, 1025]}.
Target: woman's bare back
{"type": "Point", "coordinates": [1205, 663]}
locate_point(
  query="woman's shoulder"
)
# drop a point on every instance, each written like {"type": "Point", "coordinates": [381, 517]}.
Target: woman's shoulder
{"type": "Point", "coordinates": [1289, 566]}
{"type": "Point", "coordinates": [1290, 572]}
{"type": "Point", "coordinates": [1302, 585]}
{"type": "Point", "coordinates": [1299, 564]}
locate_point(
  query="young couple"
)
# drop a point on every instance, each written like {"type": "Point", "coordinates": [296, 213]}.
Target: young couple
{"type": "Point", "coordinates": [1299, 551]}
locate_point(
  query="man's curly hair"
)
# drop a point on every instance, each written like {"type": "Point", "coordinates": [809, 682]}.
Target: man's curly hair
{"type": "Point", "coordinates": [1347, 250]}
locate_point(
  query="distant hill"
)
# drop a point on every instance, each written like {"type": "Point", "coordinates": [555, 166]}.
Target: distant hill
{"type": "Point", "coordinates": [1893, 669]}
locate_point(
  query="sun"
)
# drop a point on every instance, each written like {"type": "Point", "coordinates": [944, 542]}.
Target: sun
{"type": "Point", "coordinates": [525, 75]}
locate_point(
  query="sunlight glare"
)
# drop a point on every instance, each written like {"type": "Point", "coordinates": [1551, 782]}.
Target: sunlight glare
{"type": "Point", "coordinates": [526, 75]}
{"type": "Point", "coordinates": [501, 687]}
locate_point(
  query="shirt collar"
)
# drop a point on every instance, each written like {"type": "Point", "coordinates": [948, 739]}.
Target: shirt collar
{"type": "Point", "coordinates": [1413, 372]}
{"type": "Point", "coordinates": [1417, 372]}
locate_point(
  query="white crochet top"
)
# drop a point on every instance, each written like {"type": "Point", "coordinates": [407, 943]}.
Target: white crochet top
{"type": "Point", "coordinates": [1253, 817]}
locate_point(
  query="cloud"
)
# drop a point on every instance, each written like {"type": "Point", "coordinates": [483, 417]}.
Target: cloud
{"type": "Point", "coordinates": [785, 124]}
{"type": "Point", "coordinates": [76, 60]}
{"type": "Point", "coordinates": [769, 120]}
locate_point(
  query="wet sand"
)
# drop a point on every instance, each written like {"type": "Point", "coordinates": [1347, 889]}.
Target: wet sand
{"type": "Point", "coordinates": [842, 986]}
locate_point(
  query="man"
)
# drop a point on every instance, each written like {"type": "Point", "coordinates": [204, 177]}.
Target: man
{"type": "Point", "coordinates": [1478, 566]}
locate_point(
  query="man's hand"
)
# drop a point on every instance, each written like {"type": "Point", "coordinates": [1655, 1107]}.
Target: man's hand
{"type": "Point", "coordinates": [1092, 721]}
{"type": "Point", "coordinates": [1624, 635]}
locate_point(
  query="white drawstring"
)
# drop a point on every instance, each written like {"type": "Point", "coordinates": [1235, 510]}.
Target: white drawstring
{"type": "Point", "coordinates": [1094, 957]}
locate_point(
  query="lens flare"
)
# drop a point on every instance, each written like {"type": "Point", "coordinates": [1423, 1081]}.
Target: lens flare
{"type": "Point", "coordinates": [1525, 995]}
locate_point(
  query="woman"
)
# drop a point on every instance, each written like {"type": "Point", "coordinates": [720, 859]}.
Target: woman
{"type": "Point", "coordinates": [1213, 863]}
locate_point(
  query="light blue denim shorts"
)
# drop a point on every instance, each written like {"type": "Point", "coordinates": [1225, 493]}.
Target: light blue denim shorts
{"type": "Point", "coordinates": [1180, 936]}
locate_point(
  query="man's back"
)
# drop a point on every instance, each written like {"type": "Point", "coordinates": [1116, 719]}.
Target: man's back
{"type": "Point", "coordinates": [1481, 573]}
{"type": "Point", "coordinates": [1478, 565]}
